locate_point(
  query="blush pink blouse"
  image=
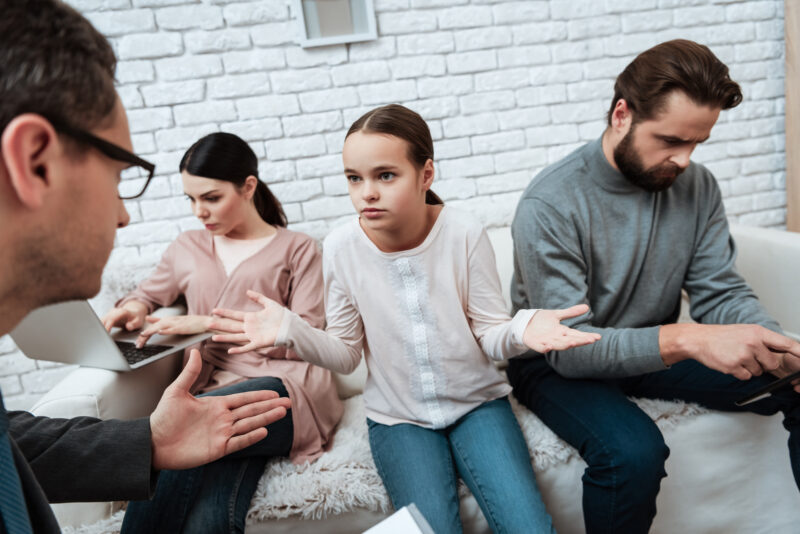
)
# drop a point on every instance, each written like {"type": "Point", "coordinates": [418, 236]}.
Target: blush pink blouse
{"type": "Point", "coordinates": [287, 269]}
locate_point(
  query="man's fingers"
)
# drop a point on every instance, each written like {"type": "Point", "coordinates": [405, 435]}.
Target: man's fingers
{"type": "Point", "coordinates": [230, 338]}
{"type": "Point", "coordinates": [229, 314]}
{"type": "Point", "coordinates": [189, 373]}
{"type": "Point", "coordinates": [741, 373]}
{"type": "Point", "coordinates": [768, 360]}
{"type": "Point", "coordinates": [258, 408]}
{"type": "Point", "coordinates": [572, 311]}
{"type": "Point", "coordinates": [243, 426]}
{"type": "Point", "coordinates": [241, 442]}
{"type": "Point", "coordinates": [237, 400]}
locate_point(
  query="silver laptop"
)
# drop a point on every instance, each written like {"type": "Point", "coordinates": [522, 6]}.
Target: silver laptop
{"type": "Point", "coordinates": [71, 332]}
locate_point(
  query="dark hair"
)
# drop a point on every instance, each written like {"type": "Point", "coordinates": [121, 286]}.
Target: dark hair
{"type": "Point", "coordinates": [401, 122]}
{"type": "Point", "coordinates": [54, 63]}
{"type": "Point", "coordinates": [224, 156]}
{"type": "Point", "coordinates": [678, 65]}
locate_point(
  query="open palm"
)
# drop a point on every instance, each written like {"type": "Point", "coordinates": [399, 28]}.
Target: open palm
{"type": "Point", "coordinates": [545, 331]}
{"type": "Point", "coordinates": [251, 330]}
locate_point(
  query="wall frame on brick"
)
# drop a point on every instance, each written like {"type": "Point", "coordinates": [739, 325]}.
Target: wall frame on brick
{"type": "Point", "coordinates": [792, 36]}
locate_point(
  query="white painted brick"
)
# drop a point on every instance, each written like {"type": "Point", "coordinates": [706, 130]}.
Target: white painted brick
{"type": "Point", "coordinates": [300, 58]}
{"type": "Point", "coordinates": [254, 130]}
{"type": "Point", "coordinates": [15, 362]}
{"type": "Point", "coordinates": [577, 51]}
{"type": "Point", "coordinates": [435, 108]}
{"type": "Point", "coordinates": [444, 86]}
{"type": "Point", "coordinates": [181, 138]}
{"type": "Point", "coordinates": [409, 22]}
{"type": "Point", "coordinates": [359, 73]}
{"type": "Point", "coordinates": [515, 12]}
{"type": "Point", "coordinates": [188, 68]}
{"type": "Point", "coordinates": [479, 38]}
{"type": "Point", "coordinates": [750, 184]}
{"type": "Point", "coordinates": [7, 346]}
{"type": "Point", "coordinates": [464, 17]}
{"type": "Point", "coordinates": [148, 232]}
{"type": "Point", "coordinates": [113, 23]}
{"type": "Point", "coordinates": [583, 91]}
{"type": "Point", "coordinates": [769, 218]}
{"type": "Point", "coordinates": [297, 191]}
{"type": "Point", "coordinates": [520, 160]}
{"type": "Point", "coordinates": [294, 212]}
{"type": "Point", "coordinates": [335, 140]}
{"type": "Point", "coordinates": [277, 171]}
{"type": "Point", "coordinates": [323, 208]}
{"type": "Point", "coordinates": [575, 112]}
{"type": "Point", "coordinates": [451, 148]}
{"type": "Point", "coordinates": [759, 51]}
{"type": "Point", "coordinates": [646, 22]}
{"type": "Point", "coordinates": [589, 131]}
{"type": "Point", "coordinates": [189, 17]}
{"type": "Point", "coordinates": [84, 6]}
{"type": "Point", "coordinates": [334, 185]}
{"type": "Point", "coordinates": [430, 43]}
{"type": "Point", "coordinates": [312, 123]}
{"type": "Point", "coordinates": [315, 229]}
{"type": "Point", "coordinates": [772, 199]}
{"type": "Point", "coordinates": [204, 112]}
{"type": "Point", "coordinates": [558, 152]}
{"type": "Point", "coordinates": [390, 5]}
{"type": "Point", "coordinates": [761, 127]}
{"type": "Point", "coordinates": [295, 81]}
{"type": "Point", "coordinates": [723, 170]}
{"type": "Point", "coordinates": [491, 143]}
{"type": "Point", "coordinates": [164, 94]}
{"type": "Point", "coordinates": [134, 71]}
{"type": "Point", "coordinates": [203, 42]}
{"type": "Point", "coordinates": [699, 16]}
{"type": "Point", "coordinates": [259, 107]}
{"type": "Point", "coordinates": [518, 56]}
{"type": "Point", "coordinates": [767, 163]}
{"type": "Point", "coordinates": [460, 63]}
{"type": "Point", "coordinates": [167, 208]}
{"type": "Point", "coordinates": [385, 93]}
{"type": "Point", "coordinates": [625, 6]}
{"type": "Point", "coordinates": [593, 27]}
{"type": "Point", "coordinates": [149, 45]}
{"type": "Point", "coordinates": [457, 188]}
{"type": "Point", "coordinates": [153, 252]}
{"type": "Point", "coordinates": [10, 385]}
{"type": "Point", "coordinates": [298, 147]}
{"type": "Point", "coordinates": [550, 74]}
{"type": "Point", "coordinates": [489, 101]}
{"type": "Point", "coordinates": [738, 32]}
{"type": "Point", "coordinates": [414, 67]}
{"type": "Point", "coordinates": [482, 123]}
{"type": "Point", "coordinates": [628, 45]}
{"type": "Point", "coordinates": [382, 48]}
{"type": "Point", "coordinates": [752, 110]}
{"type": "Point", "coordinates": [437, 130]}
{"type": "Point", "coordinates": [544, 94]}
{"type": "Point", "coordinates": [149, 119]}
{"type": "Point", "coordinates": [144, 143]}
{"type": "Point", "coordinates": [502, 183]}
{"type": "Point", "coordinates": [328, 99]}
{"type": "Point", "coordinates": [160, 3]}
{"type": "Point", "coordinates": [710, 152]}
{"type": "Point", "coordinates": [554, 134]}
{"type": "Point", "coordinates": [539, 32]}
{"type": "Point", "coordinates": [465, 167]}
{"type": "Point", "coordinates": [249, 13]}
{"type": "Point", "coordinates": [319, 167]}
{"type": "Point", "coordinates": [524, 117]}
{"type": "Point", "coordinates": [502, 79]}
{"type": "Point", "coordinates": [606, 68]}
{"type": "Point", "coordinates": [576, 9]}
{"type": "Point", "coordinates": [757, 70]}
{"type": "Point", "coordinates": [232, 85]}
{"type": "Point", "coordinates": [770, 29]}
{"type": "Point", "coordinates": [436, 3]}
{"type": "Point", "coordinates": [253, 60]}
{"type": "Point", "coordinates": [274, 33]}
{"type": "Point", "coordinates": [130, 97]}
{"type": "Point", "coordinates": [764, 89]}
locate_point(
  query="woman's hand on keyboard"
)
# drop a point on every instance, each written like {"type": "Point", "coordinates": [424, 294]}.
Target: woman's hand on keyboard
{"type": "Point", "coordinates": [251, 330]}
{"type": "Point", "coordinates": [176, 324]}
{"type": "Point", "coordinates": [130, 316]}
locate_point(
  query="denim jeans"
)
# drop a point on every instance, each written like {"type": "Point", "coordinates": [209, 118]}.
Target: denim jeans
{"type": "Point", "coordinates": [485, 447]}
{"type": "Point", "coordinates": [213, 498]}
{"type": "Point", "coordinates": [623, 448]}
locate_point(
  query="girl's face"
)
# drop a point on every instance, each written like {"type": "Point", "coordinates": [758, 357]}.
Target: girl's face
{"type": "Point", "coordinates": [386, 189]}
{"type": "Point", "coordinates": [220, 205]}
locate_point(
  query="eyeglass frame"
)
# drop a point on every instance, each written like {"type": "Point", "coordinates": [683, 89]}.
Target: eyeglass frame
{"type": "Point", "coordinates": [108, 149]}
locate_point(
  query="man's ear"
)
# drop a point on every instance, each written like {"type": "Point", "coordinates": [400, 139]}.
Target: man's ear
{"type": "Point", "coordinates": [622, 116]}
{"type": "Point", "coordinates": [29, 148]}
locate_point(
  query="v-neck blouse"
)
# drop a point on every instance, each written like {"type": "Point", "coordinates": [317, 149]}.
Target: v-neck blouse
{"type": "Point", "coordinates": [288, 269]}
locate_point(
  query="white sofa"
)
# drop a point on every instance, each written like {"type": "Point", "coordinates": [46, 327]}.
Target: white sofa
{"type": "Point", "coordinates": [728, 473]}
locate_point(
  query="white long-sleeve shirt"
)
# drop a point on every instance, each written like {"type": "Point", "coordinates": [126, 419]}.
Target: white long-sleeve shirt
{"type": "Point", "coordinates": [425, 318]}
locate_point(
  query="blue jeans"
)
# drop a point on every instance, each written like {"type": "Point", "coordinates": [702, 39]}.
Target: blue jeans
{"type": "Point", "coordinates": [485, 447]}
{"type": "Point", "coordinates": [213, 498]}
{"type": "Point", "coordinates": [622, 446]}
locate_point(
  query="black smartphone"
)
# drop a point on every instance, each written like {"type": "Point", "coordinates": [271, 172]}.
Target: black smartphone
{"type": "Point", "coordinates": [768, 389]}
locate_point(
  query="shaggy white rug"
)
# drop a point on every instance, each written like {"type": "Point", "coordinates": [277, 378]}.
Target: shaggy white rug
{"type": "Point", "coordinates": [345, 478]}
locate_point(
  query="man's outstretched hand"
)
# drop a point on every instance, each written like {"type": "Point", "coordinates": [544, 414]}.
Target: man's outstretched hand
{"type": "Point", "coordinates": [188, 431]}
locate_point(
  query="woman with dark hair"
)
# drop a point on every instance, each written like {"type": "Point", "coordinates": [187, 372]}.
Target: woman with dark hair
{"type": "Point", "coordinates": [244, 245]}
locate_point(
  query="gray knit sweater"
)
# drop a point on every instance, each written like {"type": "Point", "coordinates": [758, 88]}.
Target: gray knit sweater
{"type": "Point", "coordinates": [583, 233]}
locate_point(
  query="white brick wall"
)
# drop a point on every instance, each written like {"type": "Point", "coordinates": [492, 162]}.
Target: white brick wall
{"type": "Point", "coordinates": [507, 86]}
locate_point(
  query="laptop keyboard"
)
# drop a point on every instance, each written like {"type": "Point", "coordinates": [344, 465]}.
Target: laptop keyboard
{"type": "Point", "coordinates": [134, 355]}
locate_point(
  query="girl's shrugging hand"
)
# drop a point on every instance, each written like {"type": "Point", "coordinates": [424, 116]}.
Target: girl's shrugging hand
{"type": "Point", "coordinates": [250, 330]}
{"type": "Point", "coordinates": [545, 331]}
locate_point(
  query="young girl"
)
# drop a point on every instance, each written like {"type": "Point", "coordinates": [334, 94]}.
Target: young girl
{"type": "Point", "coordinates": [414, 285]}
{"type": "Point", "coordinates": [244, 245]}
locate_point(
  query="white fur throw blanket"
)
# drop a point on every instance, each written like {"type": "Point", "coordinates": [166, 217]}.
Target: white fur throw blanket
{"type": "Point", "coordinates": [345, 478]}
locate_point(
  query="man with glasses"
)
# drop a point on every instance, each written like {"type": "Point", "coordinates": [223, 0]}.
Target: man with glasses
{"type": "Point", "coordinates": [64, 144]}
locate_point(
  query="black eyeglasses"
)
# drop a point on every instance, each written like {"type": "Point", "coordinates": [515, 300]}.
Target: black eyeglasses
{"type": "Point", "coordinates": [109, 149]}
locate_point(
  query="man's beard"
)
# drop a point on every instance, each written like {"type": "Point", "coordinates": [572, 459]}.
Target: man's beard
{"type": "Point", "coordinates": [629, 163]}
